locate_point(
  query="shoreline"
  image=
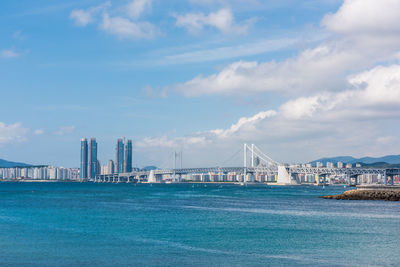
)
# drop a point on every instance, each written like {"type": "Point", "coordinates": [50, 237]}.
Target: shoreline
{"type": "Point", "coordinates": [38, 181]}
{"type": "Point", "coordinates": [387, 193]}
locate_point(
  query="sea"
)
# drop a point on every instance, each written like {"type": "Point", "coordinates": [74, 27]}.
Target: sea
{"type": "Point", "coordinates": [92, 224]}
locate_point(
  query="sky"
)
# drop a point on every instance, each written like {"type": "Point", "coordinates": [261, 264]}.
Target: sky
{"type": "Point", "coordinates": [300, 79]}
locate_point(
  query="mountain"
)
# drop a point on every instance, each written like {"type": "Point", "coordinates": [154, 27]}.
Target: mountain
{"type": "Point", "coordinates": [390, 159]}
{"type": "Point", "coordinates": [380, 165]}
{"type": "Point", "coordinates": [10, 164]}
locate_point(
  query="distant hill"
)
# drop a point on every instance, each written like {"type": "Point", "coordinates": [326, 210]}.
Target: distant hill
{"type": "Point", "coordinates": [10, 164]}
{"type": "Point", "coordinates": [380, 165]}
{"type": "Point", "coordinates": [391, 159]}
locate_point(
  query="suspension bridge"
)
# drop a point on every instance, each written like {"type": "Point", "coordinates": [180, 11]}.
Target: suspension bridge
{"type": "Point", "coordinates": [257, 167]}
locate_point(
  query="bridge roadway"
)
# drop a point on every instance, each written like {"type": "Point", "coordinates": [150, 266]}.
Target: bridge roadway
{"type": "Point", "coordinates": [140, 176]}
{"type": "Point", "coordinates": [348, 172]}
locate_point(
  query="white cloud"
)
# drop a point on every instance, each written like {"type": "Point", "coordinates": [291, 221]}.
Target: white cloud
{"type": "Point", "coordinates": [125, 28]}
{"type": "Point", "coordinates": [136, 8]}
{"type": "Point", "coordinates": [244, 125]}
{"type": "Point", "coordinates": [162, 141]}
{"type": "Point", "coordinates": [347, 121]}
{"type": "Point", "coordinates": [372, 94]}
{"type": "Point", "coordinates": [312, 70]}
{"type": "Point", "coordinates": [85, 17]}
{"type": "Point", "coordinates": [8, 53]}
{"type": "Point", "coordinates": [39, 131]}
{"type": "Point", "coordinates": [81, 17]}
{"type": "Point", "coordinates": [64, 130]}
{"type": "Point", "coordinates": [381, 85]}
{"type": "Point", "coordinates": [365, 17]}
{"type": "Point", "coordinates": [236, 3]}
{"type": "Point", "coordinates": [12, 133]}
{"type": "Point", "coordinates": [370, 40]}
{"type": "Point", "coordinates": [222, 20]}
{"type": "Point", "coordinates": [323, 68]}
{"type": "Point", "coordinates": [248, 49]}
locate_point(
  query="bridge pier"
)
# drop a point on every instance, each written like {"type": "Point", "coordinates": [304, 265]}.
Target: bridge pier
{"type": "Point", "coordinates": [285, 176]}
{"type": "Point", "coordinates": [324, 179]}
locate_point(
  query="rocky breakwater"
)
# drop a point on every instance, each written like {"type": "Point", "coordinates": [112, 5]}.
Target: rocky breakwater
{"type": "Point", "coordinates": [388, 193]}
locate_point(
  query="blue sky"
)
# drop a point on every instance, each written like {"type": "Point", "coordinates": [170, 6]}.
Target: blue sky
{"type": "Point", "coordinates": [302, 79]}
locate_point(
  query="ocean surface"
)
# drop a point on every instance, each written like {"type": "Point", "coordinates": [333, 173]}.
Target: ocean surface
{"type": "Point", "coordinates": [85, 224]}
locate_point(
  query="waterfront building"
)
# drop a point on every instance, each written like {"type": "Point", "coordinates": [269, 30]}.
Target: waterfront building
{"type": "Point", "coordinates": [84, 159]}
{"type": "Point", "coordinates": [128, 156]}
{"type": "Point", "coordinates": [98, 167]}
{"type": "Point", "coordinates": [329, 165]}
{"type": "Point", "coordinates": [320, 165]}
{"type": "Point", "coordinates": [93, 167]}
{"type": "Point", "coordinates": [340, 165]}
{"type": "Point", "coordinates": [40, 173]}
{"type": "Point", "coordinates": [119, 156]}
{"type": "Point", "coordinates": [257, 162]}
{"type": "Point", "coordinates": [104, 169]}
{"type": "Point", "coordinates": [52, 173]}
{"type": "Point", "coordinates": [110, 167]}
{"type": "Point", "coordinates": [349, 165]}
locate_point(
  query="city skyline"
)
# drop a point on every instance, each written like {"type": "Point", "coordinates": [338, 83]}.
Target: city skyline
{"type": "Point", "coordinates": [301, 79]}
{"type": "Point", "coordinates": [91, 166]}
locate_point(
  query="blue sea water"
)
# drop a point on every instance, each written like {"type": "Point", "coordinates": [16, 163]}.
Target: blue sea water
{"type": "Point", "coordinates": [84, 224]}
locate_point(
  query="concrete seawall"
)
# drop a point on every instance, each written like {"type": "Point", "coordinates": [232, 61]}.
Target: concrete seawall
{"type": "Point", "coordinates": [376, 192]}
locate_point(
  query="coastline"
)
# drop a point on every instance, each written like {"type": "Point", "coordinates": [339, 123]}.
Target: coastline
{"type": "Point", "coordinates": [387, 193]}
{"type": "Point", "coordinates": [38, 181]}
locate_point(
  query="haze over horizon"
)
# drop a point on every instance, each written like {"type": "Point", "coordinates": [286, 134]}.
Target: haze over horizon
{"type": "Point", "coordinates": [301, 79]}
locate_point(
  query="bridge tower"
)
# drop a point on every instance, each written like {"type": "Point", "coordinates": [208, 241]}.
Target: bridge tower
{"type": "Point", "coordinates": [257, 162]}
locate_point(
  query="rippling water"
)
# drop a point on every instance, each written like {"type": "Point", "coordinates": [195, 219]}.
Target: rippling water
{"type": "Point", "coordinates": [60, 224]}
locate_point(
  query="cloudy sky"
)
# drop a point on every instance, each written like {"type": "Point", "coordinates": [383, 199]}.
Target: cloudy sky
{"type": "Point", "coordinates": [301, 79]}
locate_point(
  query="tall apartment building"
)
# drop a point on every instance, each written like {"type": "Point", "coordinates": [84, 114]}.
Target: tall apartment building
{"type": "Point", "coordinates": [84, 159]}
{"type": "Point", "coordinates": [119, 156]}
{"type": "Point", "coordinates": [110, 167]}
{"type": "Point", "coordinates": [93, 167]}
{"type": "Point", "coordinates": [128, 156]}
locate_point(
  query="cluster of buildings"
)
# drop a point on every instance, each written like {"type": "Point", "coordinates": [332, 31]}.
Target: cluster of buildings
{"type": "Point", "coordinates": [90, 166]}
{"type": "Point", "coordinates": [39, 173]}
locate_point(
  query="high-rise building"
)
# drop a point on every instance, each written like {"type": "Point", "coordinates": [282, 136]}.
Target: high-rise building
{"type": "Point", "coordinates": [110, 167]}
{"type": "Point", "coordinates": [119, 156]}
{"type": "Point", "coordinates": [128, 156]}
{"type": "Point", "coordinates": [257, 162]}
{"type": "Point", "coordinates": [84, 159]}
{"type": "Point", "coordinates": [93, 158]}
